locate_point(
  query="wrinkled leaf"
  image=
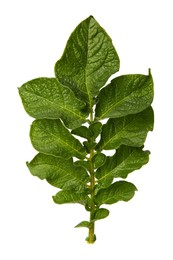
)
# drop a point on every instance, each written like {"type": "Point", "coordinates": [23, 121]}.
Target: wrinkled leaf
{"type": "Point", "coordinates": [58, 172]}
{"type": "Point", "coordinates": [118, 191]}
{"type": "Point", "coordinates": [70, 196]}
{"type": "Point", "coordinates": [130, 130]}
{"type": "Point", "coordinates": [51, 137]}
{"type": "Point", "coordinates": [124, 161]}
{"type": "Point", "coordinates": [127, 94]}
{"type": "Point", "coordinates": [89, 59]}
{"type": "Point", "coordinates": [48, 98]}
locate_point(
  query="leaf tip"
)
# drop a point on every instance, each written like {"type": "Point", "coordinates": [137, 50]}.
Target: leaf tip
{"type": "Point", "coordinates": [27, 164]}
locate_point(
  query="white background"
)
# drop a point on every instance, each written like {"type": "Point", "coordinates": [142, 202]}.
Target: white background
{"type": "Point", "coordinates": [32, 37]}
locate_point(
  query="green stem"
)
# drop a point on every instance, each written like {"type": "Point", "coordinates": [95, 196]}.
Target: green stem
{"type": "Point", "coordinates": [91, 235]}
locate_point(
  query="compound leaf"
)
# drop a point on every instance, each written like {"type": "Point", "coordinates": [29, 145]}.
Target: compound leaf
{"type": "Point", "coordinates": [124, 161]}
{"type": "Point", "coordinates": [89, 59]}
{"type": "Point", "coordinates": [58, 172]}
{"type": "Point", "coordinates": [118, 191]}
{"type": "Point", "coordinates": [127, 94]}
{"type": "Point", "coordinates": [130, 130]}
{"type": "Point", "coordinates": [70, 196]}
{"type": "Point", "coordinates": [48, 98]}
{"type": "Point", "coordinates": [51, 137]}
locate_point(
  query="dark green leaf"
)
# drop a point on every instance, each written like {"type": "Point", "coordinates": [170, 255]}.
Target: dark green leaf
{"type": "Point", "coordinates": [89, 146]}
{"type": "Point", "coordinates": [130, 130]}
{"type": "Point", "coordinates": [127, 94]}
{"type": "Point", "coordinates": [48, 98]}
{"type": "Point", "coordinates": [84, 164]}
{"type": "Point", "coordinates": [89, 59]}
{"type": "Point", "coordinates": [126, 160]}
{"type": "Point", "coordinates": [99, 160]}
{"type": "Point", "coordinates": [58, 172]}
{"type": "Point", "coordinates": [83, 224]}
{"type": "Point", "coordinates": [118, 191]}
{"type": "Point", "coordinates": [82, 131]}
{"type": "Point", "coordinates": [96, 129]}
{"type": "Point", "coordinates": [51, 137]}
{"type": "Point", "coordinates": [101, 213]}
{"type": "Point", "coordinates": [68, 196]}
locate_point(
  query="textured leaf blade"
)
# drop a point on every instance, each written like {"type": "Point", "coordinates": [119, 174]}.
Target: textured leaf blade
{"type": "Point", "coordinates": [51, 137]}
{"type": "Point", "coordinates": [127, 94]}
{"type": "Point", "coordinates": [96, 129]}
{"type": "Point", "coordinates": [48, 98]}
{"type": "Point", "coordinates": [66, 196]}
{"type": "Point", "coordinates": [101, 213]}
{"type": "Point", "coordinates": [58, 172]}
{"type": "Point", "coordinates": [130, 130]}
{"type": "Point", "coordinates": [83, 163]}
{"type": "Point", "coordinates": [118, 191]}
{"type": "Point", "coordinates": [126, 160]}
{"type": "Point", "coordinates": [89, 59]}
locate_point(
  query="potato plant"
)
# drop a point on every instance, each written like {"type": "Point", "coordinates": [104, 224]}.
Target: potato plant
{"type": "Point", "coordinates": [79, 116]}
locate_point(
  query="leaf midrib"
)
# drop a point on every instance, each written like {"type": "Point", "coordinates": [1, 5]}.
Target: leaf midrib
{"type": "Point", "coordinates": [109, 173]}
{"type": "Point", "coordinates": [66, 144]}
{"type": "Point", "coordinates": [64, 171]}
{"type": "Point", "coordinates": [55, 105]}
{"type": "Point", "coordinates": [119, 132]}
{"type": "Point", "coordinates": [119, 102]}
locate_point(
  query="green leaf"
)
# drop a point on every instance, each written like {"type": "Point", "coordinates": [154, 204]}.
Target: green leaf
{"type": "Point", "coordinates": [82, 131]}
{"type": "Point", "coordinates": [83, 224]}
{"type": "Point", "coordinates": [58, 172]}
{"type": "Point", "coordinates": [127, 94]}
{"type": "Point", "coordinates": [48, 98]}
{"type": "Point", "coordinates": [68, 196]}
{"type": "Point", "coordinates": [99, 159]}
{"type": "Point", "coordinates": [89, 59]}
{"type": "Point", "coordinates": [130, 130]}
{"type": "Point", "coordinates": [100, 214]}
{"type": "Point", "coordinates": [124, 161]}
{"type": "Point", "coordinates": [118, 191]}
{"type": "Point", "coordinates": [51, 137]}
{"type": "Point", "coordinates": [96, 129]}
{"type": "Point", "coordinates": [82, 163]}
